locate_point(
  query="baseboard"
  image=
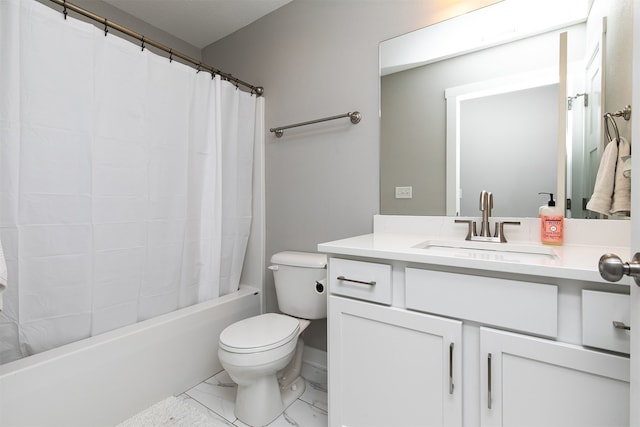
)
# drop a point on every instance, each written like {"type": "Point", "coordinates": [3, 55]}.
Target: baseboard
{"type": "Point", "coordinates": [315, 357]}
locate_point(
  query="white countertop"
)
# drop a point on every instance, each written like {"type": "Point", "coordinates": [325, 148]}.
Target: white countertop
{"type": "Point", "coordinates": [571, 261]}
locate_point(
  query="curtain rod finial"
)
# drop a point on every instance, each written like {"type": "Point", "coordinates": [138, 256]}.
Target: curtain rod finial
{"type": "Point", "coordinates": [259, 91]}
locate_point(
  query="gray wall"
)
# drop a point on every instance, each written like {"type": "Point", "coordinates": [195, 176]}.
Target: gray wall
{"type": "Point", "coordinates": [319, 58]}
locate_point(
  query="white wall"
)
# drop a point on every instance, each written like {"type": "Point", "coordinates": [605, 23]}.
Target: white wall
{"type": "Point", "coordinates": [318, 58]}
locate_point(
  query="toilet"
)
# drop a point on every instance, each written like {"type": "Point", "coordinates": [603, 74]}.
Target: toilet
{"type": "Point", "coordinates": [263, 354]}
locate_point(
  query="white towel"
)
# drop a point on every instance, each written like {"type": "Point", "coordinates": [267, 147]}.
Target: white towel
{"type": "Point", "coordinates": [622, 184]}
{"type": "Point", "coordinates": [626, 171]}
{"type": "Point", "coordinates": [601, 198]}
{"type": "Point", "coordinates": [3, 274]}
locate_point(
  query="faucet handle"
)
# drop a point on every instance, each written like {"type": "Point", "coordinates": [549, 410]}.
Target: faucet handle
{"type": "Point", "coordinates": [500, 229]}
{"type": "Point", "coordinates": [486, 200]}
{"type": "Point", "coordinates": [471, 231]}
{"type": "Point", "coordinates": [483, 200]}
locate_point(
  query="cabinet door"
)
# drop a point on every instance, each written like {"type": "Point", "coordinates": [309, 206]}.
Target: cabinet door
{"type": "Point", "coordinates": [529, 381]}
{"type": "Point", "coordinates": [392, 367]}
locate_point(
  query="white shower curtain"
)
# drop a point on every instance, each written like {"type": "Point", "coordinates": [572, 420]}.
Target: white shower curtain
{"type": "Point", "coordinates": [125, 181]}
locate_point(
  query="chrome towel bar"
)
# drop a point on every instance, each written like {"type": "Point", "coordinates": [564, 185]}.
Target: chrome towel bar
{"type": "Point", "coordinates": [610, 118]}
{"type": "Point", "coordinates": [354, 116]}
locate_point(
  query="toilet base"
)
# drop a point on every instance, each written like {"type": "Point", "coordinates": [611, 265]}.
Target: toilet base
{"type": "Point", "coordinates": [260, 404]}
{"type": "Point", "coordinates": [292, 392]}
{"type": "Point", "coordinates": [292, 384]}
{"type": "Point", "coordinates": [264, 400]}
{"type": "Point", "coordinates": [291, 372]}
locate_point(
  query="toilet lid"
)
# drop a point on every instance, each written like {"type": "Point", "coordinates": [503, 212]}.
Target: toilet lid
{"type": "Point", "coordinates": [259, 333]}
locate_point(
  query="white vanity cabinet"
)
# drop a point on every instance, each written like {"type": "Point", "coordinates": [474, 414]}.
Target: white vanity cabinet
{"type": "Point", "coordinates": [524, 379]}
{"type": "Point", "coordinates": [528, 381]}
{"type": "Point", "coordinates": [418, 345]}
{"type": "Point", "coordinates": [388, 366]}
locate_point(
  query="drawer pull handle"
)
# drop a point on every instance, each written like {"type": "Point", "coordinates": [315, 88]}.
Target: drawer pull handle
{"type": "Point", "coordinates": [620, 325]}
{"type": "Point", "coordinates": [451, 368]}
{"type": "Point", "coordinates": [489, 381]}
{"type": "Point", "coordinates": [344, 279]}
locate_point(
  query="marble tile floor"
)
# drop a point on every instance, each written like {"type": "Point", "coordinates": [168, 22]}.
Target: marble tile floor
{"type": "Point", "coordinates": [217, 397]}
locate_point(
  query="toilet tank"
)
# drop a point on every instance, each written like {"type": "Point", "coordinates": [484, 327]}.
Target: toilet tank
{"type": "Point", "coordinates": [300, 280]}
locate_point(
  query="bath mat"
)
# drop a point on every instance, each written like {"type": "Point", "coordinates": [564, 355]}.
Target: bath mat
{"type": "Point", "coordinates": [170, 412]}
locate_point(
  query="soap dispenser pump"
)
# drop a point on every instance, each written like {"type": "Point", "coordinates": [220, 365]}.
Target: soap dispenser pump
{"type": "Point", "coordinates": [551, 222]}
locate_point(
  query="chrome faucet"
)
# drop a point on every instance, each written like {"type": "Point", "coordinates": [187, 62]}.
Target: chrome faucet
{"type": "Point", "coordinates": [486, 204]}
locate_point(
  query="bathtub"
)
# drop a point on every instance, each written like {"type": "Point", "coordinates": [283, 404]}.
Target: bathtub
{"type": "Point", "coordinates": [103, 380]}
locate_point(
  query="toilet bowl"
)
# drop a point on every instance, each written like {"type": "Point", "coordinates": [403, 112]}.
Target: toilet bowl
{"type": "Point", "coordinates": [263, 354]}
{"type": "Point", "coordinates": [253, 352]}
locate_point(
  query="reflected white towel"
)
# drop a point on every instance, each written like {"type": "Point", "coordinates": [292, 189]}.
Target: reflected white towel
{"type": "Point", "coordinates": [626, 171]}
{"type": "Point", "coordinates": [622, 184]}
{"type": "Point", "coordinates": [3, 274]}
{"type": "Point", "coordinates": [603, 189]}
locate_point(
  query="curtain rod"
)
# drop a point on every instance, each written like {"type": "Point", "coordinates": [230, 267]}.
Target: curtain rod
{"type": "Point", "coordinates": [258, 90]}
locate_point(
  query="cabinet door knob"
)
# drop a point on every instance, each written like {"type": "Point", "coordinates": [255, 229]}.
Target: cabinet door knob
{"type": "Point", "coordinates": [612, 268]}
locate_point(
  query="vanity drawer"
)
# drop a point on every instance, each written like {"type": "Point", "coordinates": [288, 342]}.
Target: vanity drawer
{"type": "Point", "coordinates": [599, 311]}
{"type": "Point", "coordinates": [363, 280]}
{"type": "Point", "coordinates": [521, 306]}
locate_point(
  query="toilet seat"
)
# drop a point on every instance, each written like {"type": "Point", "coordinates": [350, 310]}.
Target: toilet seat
{"type": "Point", "coordinates": [259, 333]}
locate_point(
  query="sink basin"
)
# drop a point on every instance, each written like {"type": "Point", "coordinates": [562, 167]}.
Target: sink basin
{"type": "Point", "coordinates": [489, 250]}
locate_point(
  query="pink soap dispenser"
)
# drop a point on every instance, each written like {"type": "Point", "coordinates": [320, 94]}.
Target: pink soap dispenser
{"type": "Point", "coordinates": [551, 222]}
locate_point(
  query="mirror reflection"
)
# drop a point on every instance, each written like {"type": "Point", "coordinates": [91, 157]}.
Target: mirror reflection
{"type": "Point", "coordinates": [488, 118]}
{"type": "Point", "coordinates": [500, 136]}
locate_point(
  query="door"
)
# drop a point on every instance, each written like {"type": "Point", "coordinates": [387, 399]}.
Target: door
{"type": "Point", "coordinates": [392, 367]}
{"type": "Point", "coordinates": [528, 381]}
{"type": "Point", "coordinates": [593, 134]}
{"type": "Point", "coordinates": [635, 225]}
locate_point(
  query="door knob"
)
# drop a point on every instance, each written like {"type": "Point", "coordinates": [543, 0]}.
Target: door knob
{"type": "Point", "coordinates": [612, 268]}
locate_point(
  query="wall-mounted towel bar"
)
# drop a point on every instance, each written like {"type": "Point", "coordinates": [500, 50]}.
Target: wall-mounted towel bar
{"type": "Point", "coordinates": [354, 116]}
{"type": "Point", "coordinates": [610, 118]}
{"type": "Point", "coordinates": [585, 101]}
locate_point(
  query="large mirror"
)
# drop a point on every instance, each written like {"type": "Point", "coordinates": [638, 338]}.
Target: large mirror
{"type": "Point", "coordinates": [508, 99]}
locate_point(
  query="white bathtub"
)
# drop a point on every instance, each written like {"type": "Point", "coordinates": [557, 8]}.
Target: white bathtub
{"type": "Point", "coordinates": [103, 380]}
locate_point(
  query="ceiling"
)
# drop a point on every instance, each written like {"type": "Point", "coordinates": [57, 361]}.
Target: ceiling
{"type": "Point", "coordinates": [198, 22]}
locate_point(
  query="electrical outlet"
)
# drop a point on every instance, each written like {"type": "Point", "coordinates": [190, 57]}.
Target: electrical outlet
{"type": "Point", "coordinates": [404, 192]}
